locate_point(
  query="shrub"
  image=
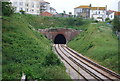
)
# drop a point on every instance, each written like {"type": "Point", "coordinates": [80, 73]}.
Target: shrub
{"type": "Point", "coordinates": [96, 21]}
{"type": "Point", "coordinates": [78, 21]}
{"type": "Point", "coordinates": [22, 11]}
{"type": "Point", "coordinates": [107, 19]}
{"type": "Point", "coordinates": [70, 21]}
{"type": "Point", "coordinates": [116, 23]}
{"type": "Point", "coordinates": [7, 9]}
{"type": "Point", "coordinates": [51, 59]}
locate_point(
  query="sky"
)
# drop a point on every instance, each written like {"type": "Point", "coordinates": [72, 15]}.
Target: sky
{"type": "Point", "coordinates": [69, 5]}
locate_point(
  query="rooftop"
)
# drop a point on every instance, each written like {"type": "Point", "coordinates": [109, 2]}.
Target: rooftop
{"type": "Point", "coordinates": [117, 13]}
{"type": "Point", "coordinates": [98, 8]}
{"type": "Point", "coordinates": [83, 6]}
{"type": "Point", "coordinates": [92, 8]}
{"type": "Point", "coordinates": [46, 14]}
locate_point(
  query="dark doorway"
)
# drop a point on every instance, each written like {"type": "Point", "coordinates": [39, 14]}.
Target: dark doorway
{"type": "Point", "coordinates": [60, 39]}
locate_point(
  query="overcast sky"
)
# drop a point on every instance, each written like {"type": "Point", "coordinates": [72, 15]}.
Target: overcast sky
{"type": "Point", "coordinates": [69, 5]}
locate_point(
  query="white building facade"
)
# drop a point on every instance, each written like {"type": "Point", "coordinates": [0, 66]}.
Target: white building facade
{"type": "Point", "coordinates": [110, 14]}
{"type": "Point", "coordinates": [87, 11]}
{"type": "Point", "coordinates": [98, 13]}
{"type": "Point", "coordinates": [119, 6]}
{"type": "Point", "coordinates": [44, 6]}
{"type": "Point", "coordinates": [29, 6]}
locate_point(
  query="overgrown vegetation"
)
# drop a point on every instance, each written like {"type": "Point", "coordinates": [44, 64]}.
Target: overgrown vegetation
{"type": "Point", "coordinates": [99, 43]}
{"type": "Point", "coordinates": [116, 24]}
{"type": "Point", "coordinates": [27, 51]}
{"type": "Point", "coordinates": [55, 22]}
{"type": "Point", "coordinates": [7, 9]}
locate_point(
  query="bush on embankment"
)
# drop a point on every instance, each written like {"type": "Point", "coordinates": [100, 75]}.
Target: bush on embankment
{"type": "Point", "coordinates": [99, 43]}
{"type": "Point", "coordinates": [27, 51]}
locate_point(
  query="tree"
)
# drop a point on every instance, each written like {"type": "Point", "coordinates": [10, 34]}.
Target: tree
{"type": "Point", "coordinates": [116, 23]}
{"type": "Point", "coordinates": [7, 9]}
{"type": "Point", "coordinates": [64, 12]}
{"type": "Point", "coordinates": [70, 13]}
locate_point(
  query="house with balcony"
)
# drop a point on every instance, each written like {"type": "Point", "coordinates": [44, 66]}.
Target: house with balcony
{"type": "Point", "coordinates": [34, 7]}
{"type": "Point", "coordinates": [29, 6]}
{"type": "Point", "coordinates": [44, 6]}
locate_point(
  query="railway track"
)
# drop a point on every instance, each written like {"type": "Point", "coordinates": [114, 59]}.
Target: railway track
{"type": "Point", "coordinates": [83, 67]}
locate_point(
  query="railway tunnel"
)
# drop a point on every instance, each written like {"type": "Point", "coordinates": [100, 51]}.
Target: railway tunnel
{"type": "Point", "coordinates": [60, 35]}
{"type": "Point", "coordinates": [60, 39]}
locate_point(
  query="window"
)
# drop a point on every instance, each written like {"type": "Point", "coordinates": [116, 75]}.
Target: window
{"type": "Point", "coordinates": [33, 6]}
{"type": "Point", "coordinates": [21, 8]}
{"type": "Point", "coordinates": [99, 12]}
{"type": "Point", "coordinates": [21, 3]}
{"type": "Point", "coordinates": [27, 4]}
{"type": "Point", "coordinates": [15, 3]}
{"type": "Point", "coordinates": [32, 10]}
{"type": "Point", "coordinates": [37, 6]}
{"type": "Point", "coordinates": [26, 9]}
{"type": "Point", "coordinates": [80, 10]}
{"type": "Point", "coordinates": [96, 12]}
{"type": "Point", "coordinates": [38, 11]}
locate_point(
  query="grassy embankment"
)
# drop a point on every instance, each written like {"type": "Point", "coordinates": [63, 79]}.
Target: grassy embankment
{"type": "Point", "coordinates": [55, 22]}
{"type": "Point", "coordinates": [98, 43]}
{"type": "Point", "coordinates": [27, 51]}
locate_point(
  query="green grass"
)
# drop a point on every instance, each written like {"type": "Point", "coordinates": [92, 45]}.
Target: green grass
{"type": "Point", "coordinates": [99, 43]}
{"type": "Point", "coordinates": [40, 22]}
{"type": "Point", "coordinates": [27, 51]}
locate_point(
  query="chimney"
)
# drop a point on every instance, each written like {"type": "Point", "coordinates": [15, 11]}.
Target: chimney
{"type": "Point", "coordinates": [90, 5]}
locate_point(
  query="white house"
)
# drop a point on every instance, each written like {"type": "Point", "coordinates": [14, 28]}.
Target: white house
{"type": "Point", "coordinates": [52, 10]}
{"type": "Point", "coordinates": [98, 13]}
{"type": "Point", "coordinates": [30, 6]}
{"type": "Point", "coordinates": [110, 14]}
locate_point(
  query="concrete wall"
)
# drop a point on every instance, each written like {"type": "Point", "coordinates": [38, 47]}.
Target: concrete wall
{"type": "Point", "coordinates": [52, 33]}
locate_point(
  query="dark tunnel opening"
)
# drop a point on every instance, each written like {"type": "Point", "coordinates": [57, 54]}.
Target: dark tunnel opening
{"type": "Point", "coordinates": [60, 39]}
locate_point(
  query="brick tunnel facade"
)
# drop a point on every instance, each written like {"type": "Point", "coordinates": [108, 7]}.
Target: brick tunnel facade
{"type": "Point", "coordinates": [61, 35]}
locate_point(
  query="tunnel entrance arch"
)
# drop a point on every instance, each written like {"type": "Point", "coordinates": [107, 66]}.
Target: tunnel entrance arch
{"type": "Point", "coordinates": [60, 39]}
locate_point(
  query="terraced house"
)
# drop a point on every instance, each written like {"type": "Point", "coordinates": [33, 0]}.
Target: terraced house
{"type": "Point", "coordinates": [31, 6]}
{"type": "Point", "coordinates": [87, 11]}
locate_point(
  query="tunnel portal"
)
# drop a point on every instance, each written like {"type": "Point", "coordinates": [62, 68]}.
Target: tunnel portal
{"type": "Point", "coordinates": [60, 39]}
